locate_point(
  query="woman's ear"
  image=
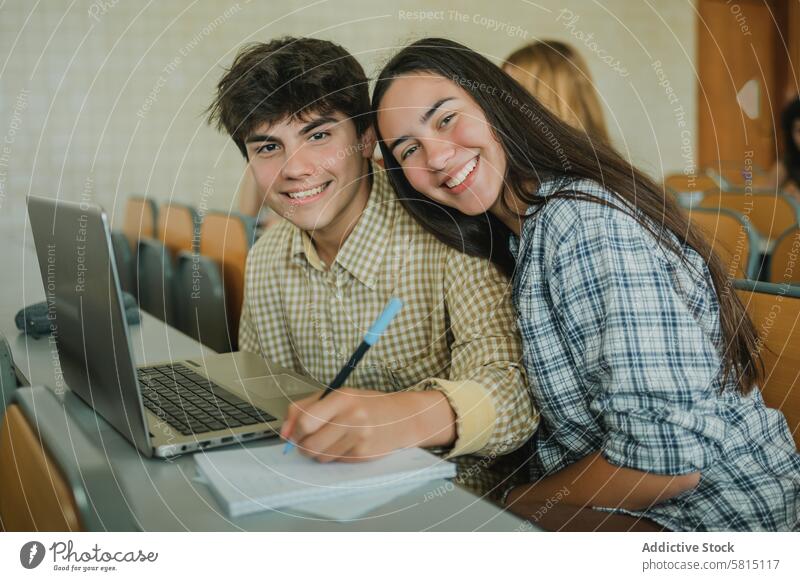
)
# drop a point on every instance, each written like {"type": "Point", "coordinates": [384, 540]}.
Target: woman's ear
{"type": "Point", "coordinates": [367, 142]}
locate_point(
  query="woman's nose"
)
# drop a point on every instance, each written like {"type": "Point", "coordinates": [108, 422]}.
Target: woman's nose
{"type": "Point", "coordinates": [439, 154]}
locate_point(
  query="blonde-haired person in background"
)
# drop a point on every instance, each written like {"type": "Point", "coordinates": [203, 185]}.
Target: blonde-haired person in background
{"type": "Point", "coordinates": [558, 77]}
{"type": "Point", "coordinates": [251, 201]}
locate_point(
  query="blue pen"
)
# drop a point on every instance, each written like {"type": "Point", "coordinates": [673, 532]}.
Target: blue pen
{"type": "Point", "coordinates": [372, 336]}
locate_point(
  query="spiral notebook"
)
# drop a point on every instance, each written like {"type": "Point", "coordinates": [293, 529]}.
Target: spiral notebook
{"type": "Point", "coordinates": [248, 480]}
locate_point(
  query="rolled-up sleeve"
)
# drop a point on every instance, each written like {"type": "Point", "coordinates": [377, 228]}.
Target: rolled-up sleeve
{"type": "Point", "coordinates": [486, 386]}
{"type": "Point", "coordinates": [653, 365]}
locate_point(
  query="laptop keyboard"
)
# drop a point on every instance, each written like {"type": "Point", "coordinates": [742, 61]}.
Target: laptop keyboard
{"type": "Point", "coordinates": [194, 404]}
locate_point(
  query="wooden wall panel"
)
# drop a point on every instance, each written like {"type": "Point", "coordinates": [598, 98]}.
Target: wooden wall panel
{"type": "Point", "coordinates": [740, 55]}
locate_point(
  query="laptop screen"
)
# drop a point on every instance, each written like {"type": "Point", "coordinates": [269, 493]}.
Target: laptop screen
{"type": "Point", "coordinates": [82, 290]}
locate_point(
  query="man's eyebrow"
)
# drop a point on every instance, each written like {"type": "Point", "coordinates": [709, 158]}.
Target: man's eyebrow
{"type": "Point", "coordinates": [319, 121]}
{"type": "Point", "coordinates": [258, 137]}
{"type": "Point", "coordinates": [423, 119]}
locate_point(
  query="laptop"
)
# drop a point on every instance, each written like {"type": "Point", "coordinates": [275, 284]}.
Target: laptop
{"type": "Point", "coordinates": [164, 409]}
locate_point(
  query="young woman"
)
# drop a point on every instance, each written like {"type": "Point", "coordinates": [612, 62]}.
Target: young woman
{"type": "Point", "coordinates": [641, 359]}
{"type": "Point", "coordinates": [786, 173]}
{"type": "Point", "coordinates": [559, 78]}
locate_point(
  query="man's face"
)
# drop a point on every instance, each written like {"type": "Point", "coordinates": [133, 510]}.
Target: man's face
{"type": "Point", "coordinates": [309, 170]}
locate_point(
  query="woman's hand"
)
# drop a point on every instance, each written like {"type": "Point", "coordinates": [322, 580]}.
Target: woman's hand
{"type": "Point", "coordinates": [355, 425]}
{"type": "Point", "coordinates": [594, 481]}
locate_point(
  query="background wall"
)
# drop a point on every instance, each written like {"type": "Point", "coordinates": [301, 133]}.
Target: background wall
{"type": "Point", "coordinates": [106, 97]}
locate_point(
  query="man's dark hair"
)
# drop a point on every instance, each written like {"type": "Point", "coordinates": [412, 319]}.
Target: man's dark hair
{"type": "Point", "coordinates": [289, 77]}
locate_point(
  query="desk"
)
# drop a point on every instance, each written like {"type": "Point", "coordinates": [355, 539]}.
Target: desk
{"type": "Point", "coordinates": [161, 494]}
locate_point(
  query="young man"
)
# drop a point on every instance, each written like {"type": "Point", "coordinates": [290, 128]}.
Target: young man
{"type": "Point", "coordinates": [446, 375]}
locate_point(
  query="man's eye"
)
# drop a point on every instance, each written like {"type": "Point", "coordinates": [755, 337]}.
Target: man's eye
{"type": "Point", "coordinates": [267, 148]}
{"type": "Point", "coordinates": [447, 119]}
{"type": "Point", "coordinates": [408, 152]}
{"type": "Point", "coordinates": [319, 135]}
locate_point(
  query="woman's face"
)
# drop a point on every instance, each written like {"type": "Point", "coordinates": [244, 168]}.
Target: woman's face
{"type": "Point", "coordinates": [442, 141]}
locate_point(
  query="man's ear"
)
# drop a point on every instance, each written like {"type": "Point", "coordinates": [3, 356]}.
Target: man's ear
{"type": "Point", "coordinates": [367, 142]}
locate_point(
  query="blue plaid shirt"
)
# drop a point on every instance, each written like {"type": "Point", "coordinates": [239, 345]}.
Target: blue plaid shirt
{"type": "Point", "coordinates": [622, 347]}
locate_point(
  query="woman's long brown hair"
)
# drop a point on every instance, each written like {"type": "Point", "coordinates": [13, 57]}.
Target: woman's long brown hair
{"type": "Point", "coordinates": [539, 146]}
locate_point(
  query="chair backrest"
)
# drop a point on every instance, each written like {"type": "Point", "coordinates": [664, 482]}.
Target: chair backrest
{"type": "Point", "coordinates": [54, 476]}
{"type": "Point", "coordinates": [140, 220]}
{"type": "Point", "coordinates": [156, 281]}
{"type": "Point", "coordinates": [784, 266]}
{"type": "Point", "coordinates": [775, 312]}
{"type": "Point", "coordinates": [226, 239]}
{"type": "Point", "coordinates": [736, 176]}
{"type": "Point", "coordinates": [682, 183]}
{"type": "Point", "coordinates": [769, 214]}
{"type": "Point", "coordinates": [34, 495]}
{"type": "Point", "coordinates": [689, 190]}
{"type": "Point", "coordinates": [178, 228]}
{"type": "Point", "coordinates": [200, 302]}
{"type": "Point", "coordinates": [730, 237]}
{"type": "Point", "coordinates": [123, 257]}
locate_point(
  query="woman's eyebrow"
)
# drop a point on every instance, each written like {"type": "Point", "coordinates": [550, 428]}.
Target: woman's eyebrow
{"type": "Point", "coordinates": [429, 113]}
{"type": "Point", "coordinates": [398, 141]}
{"type": "Point", "coordinates": [423, 119]}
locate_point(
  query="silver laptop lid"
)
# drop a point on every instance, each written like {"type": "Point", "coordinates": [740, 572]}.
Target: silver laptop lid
{"type": "Point", "coordinates": [80, 278]}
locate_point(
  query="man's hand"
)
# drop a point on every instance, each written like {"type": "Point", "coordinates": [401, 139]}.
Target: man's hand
{"type": "Point", "coordinates": [355, 425]}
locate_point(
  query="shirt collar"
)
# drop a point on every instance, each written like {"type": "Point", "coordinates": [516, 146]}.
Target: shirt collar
{"type": "Point", "coordinates": [547, 187]}
{"type": "Point", "coordinates": [363, 251]}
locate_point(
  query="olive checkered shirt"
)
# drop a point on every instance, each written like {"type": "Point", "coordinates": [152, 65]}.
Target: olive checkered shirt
{"type": "Point", "coordinates": [456, 333]}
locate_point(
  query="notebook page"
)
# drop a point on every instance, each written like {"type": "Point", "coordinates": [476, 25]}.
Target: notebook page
{"type": "Point", "coordinates": [250, 479]}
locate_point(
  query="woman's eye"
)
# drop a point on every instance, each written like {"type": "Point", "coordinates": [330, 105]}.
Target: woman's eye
{"type": "Point", "coordinates": [447, 119]}
{"type": "Point", "coordinates": [408, 152]}
{"type": "Point", "coordinates": [319, 135]}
